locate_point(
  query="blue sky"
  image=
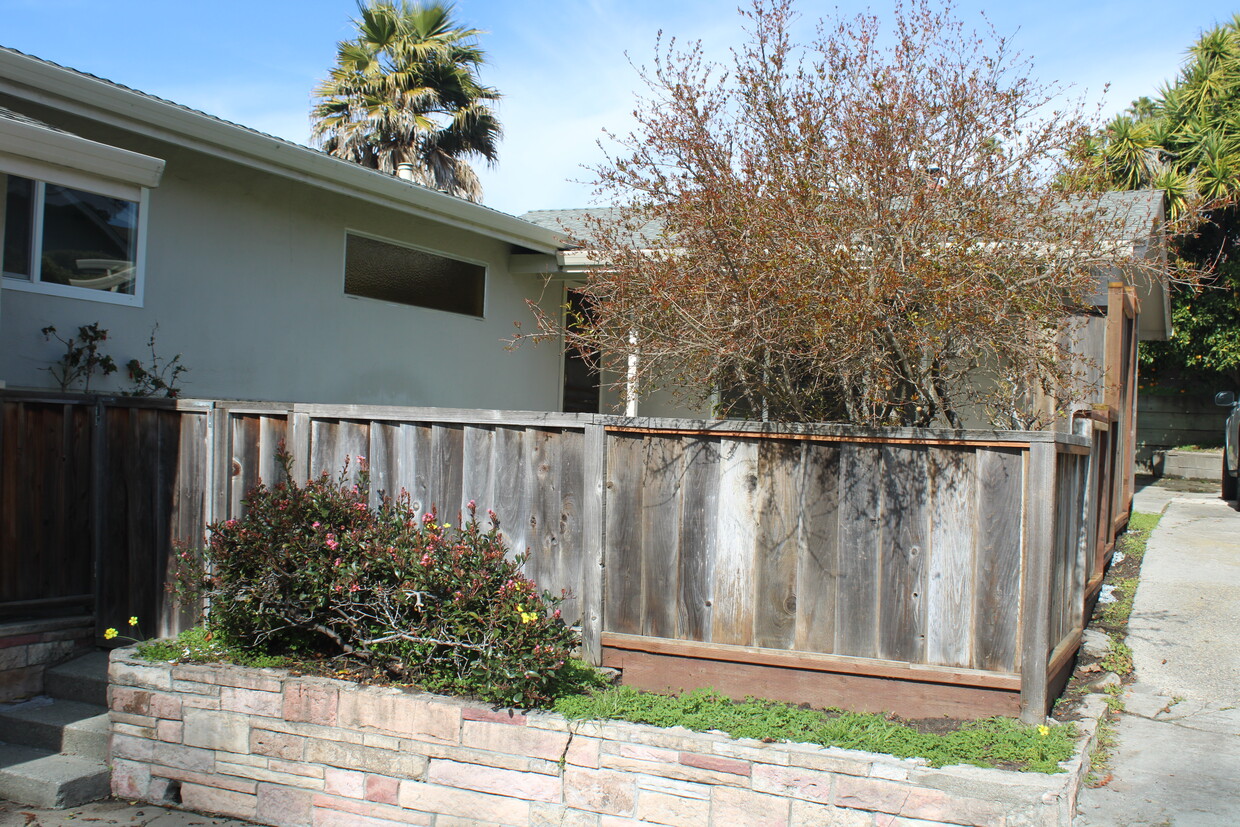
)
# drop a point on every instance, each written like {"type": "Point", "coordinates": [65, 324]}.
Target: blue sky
{"type": "Point", "coordinates": [560, 63]}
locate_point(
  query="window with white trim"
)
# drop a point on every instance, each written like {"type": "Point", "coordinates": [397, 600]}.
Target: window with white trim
{"type": "Point", "coordinates": [68, 241]}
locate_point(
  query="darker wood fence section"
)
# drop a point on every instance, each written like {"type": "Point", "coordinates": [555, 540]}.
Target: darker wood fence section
{"type": "Point", "coordinates": [95, 495]}
{"type": "Point", "coordinates": [916, 570]}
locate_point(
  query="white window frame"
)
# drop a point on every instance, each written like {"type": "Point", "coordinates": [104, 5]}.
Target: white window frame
{"type": "Point", "coordinates": [84, 183]}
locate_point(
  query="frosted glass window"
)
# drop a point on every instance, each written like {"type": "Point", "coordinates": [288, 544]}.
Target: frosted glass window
{"type": "Point", "coordinates": [389, 272]}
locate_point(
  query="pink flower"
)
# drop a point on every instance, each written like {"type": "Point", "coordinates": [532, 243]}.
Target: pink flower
{"type": "Point", "coordinates": [332, 542]}
{"type": "Point", "coordinates": [315, 524]}
{"type": "Point", "coordinates": [338, 562]}
{"type": "Point", "coordinates": [471, 505]}
{"type": "Point", "coordinates": [355, 588]}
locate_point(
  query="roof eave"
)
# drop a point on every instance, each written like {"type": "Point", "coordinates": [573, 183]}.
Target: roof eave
{"type": "Point", "coordinates": [60, 88]}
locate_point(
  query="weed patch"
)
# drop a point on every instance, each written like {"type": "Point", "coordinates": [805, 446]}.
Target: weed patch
{"type": "Point", "coordinates": [994, 742]}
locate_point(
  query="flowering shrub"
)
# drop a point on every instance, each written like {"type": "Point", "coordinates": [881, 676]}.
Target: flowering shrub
{"type": "Point", "coordinates": [313, 570]}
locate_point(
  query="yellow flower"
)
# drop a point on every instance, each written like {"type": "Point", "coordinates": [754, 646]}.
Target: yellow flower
{"type": "Point", "coordinates": [133, 621]}
{"type": "Point", "coordinates": [110, 633]}
{"type": "Point", "coordinates": [1044, 730]}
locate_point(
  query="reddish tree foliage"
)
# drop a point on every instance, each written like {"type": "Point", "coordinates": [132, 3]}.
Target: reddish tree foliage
{"type": "Point", "coordinates": [854, 230]}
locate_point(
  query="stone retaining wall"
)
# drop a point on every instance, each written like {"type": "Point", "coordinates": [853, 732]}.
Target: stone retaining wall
{"type": "Point", "coordinates": [279, 749]}
{"type": "Point", "coordinates": [27, 648]}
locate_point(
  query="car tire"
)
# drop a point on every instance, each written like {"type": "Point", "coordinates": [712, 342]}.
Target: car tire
{"type": "Point", "coordinates": [1229, 481]}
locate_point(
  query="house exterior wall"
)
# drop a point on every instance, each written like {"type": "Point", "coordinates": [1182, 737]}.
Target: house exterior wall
{"type": "Point", "coordinates": [245, 277]}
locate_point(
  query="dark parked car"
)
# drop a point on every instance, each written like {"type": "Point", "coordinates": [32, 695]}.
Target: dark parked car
{"type": "Point", "coordinates": [1231, 445]}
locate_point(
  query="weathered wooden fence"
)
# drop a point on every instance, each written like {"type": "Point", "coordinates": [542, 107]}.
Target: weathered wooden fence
{"type": "Point", "coordinates": [917, 570]}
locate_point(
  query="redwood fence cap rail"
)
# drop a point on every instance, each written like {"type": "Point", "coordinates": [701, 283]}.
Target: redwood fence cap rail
{"type": "Point", "coordinates": [549, 419]}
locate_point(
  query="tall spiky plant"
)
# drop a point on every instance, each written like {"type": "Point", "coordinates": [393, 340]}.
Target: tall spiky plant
{"type": "Point", "coordinates": [1187, 139]}
{"type": "Point", "coordinates": [1186, 142]}
{"type": "Point", "coordinates": [405, 91]}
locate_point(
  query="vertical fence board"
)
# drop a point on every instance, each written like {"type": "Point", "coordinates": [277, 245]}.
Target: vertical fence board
{"type": "Point", "coordinates": [622, 575]}
{"type": "Point", "coordinates": [570, 559]}
{"type": "Point", "coordinates": [323, 435]}
{"type": "Point", "coordinates": [906, 535]}
{"type": "Point", "coordinates": [12, 587]}
{"type": "Point", "coordinates": [383, 459]}
{"type": "Point", "coordinates": [818, 548]}
{"type": "Point", "coordinates": [142, 461]}
{"type": "Point", "coordinates": [593, 521]}
{"type": "Point", "coordinates": [697, 529]}
{"type": "Point", "coordinates": [542, 481]}
{"type": "Point", "coordinates": [415, 465]}
{"type": "Point", "coordinates": [856, 614]}
{"type": "Point", "coordinates": [243, 460]}
{"type": "Point", "coordinates": [298, 445]}
{"type": "Point", "coordinates": [950, 582]}
{"type": "Point", "coordinates": [189, 507]}
{"type": "Point", "coordinates": [272, 430]}
{"type": "Point", "coordinates": [732, 616]}
{"type": "Point", "coordinates": [510, 493]}
{"type": "Point", "coordinates": [997, 597]}
{"type": "Point", "coordinates": [660, 542]}
{"type": "Point", "coordinates": [477, 474]}
{"type": "Point", "coordinates": [778, 535]}
{"type": "Point", "coordinates": [447, 452]}
{"type": "Point", "coordinates": [78, 462]}
{"type": "Point", "coordinates": [113, 483]}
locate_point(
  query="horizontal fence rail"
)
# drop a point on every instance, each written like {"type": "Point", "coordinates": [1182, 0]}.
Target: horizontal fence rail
{"type": "Point", "coordinates": [805, 555]}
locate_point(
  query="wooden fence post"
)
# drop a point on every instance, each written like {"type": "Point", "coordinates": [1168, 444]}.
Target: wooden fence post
{"type": "Point", "coordinates": [593, 519]}
{"type": "Point", "coordinates": [1088, 534]}
{"type": "Point", "coordinates": [1039, 542]}
{"type": "Point", "coordinates": [297, 443]}
{"type": "Point", "coordinates": [221, 463]}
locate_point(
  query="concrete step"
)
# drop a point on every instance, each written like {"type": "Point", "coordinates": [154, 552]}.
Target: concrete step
{"type": "Point", "coordinates": [83, 679]}
{"type": "Point", "coordinates": [57, 726]}
{"type": "Point", "coordinates": [44, 779]}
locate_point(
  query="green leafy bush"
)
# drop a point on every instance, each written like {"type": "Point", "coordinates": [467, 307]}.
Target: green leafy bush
{"type": "Point", "coordinates": [313, 570]}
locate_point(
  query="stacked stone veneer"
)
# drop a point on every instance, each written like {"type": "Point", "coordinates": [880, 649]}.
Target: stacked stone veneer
{"type": "Point", "coordinates": [280, 749]}
{"type": "Point", "coordinates": [28, 648]}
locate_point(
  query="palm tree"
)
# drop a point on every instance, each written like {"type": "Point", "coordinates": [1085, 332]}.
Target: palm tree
{"type": "Point", "coordinates": [403, 97]}
{"type": "Point", "coordinates": [1187, 141]}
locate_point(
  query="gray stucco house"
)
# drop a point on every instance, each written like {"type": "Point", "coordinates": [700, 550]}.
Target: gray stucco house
{"type": "Point", "coordinates": [276, 271]}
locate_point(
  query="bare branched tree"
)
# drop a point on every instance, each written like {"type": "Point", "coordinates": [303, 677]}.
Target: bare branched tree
{"type": "Point", "coordinates": [853, 230]}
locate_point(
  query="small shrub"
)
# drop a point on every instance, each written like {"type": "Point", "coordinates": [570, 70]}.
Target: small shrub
{"type": "Point", "coordinates": [312, 570]}
{"type": "Point", "coordinates": [83, 357]}
{"type": "Point", "coordinates": [160, 377]}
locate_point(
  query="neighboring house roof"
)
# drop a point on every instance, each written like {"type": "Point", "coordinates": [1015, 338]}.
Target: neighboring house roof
{"type": "Point", "coordinates": [1133, 211]}
{"type": "Point", "coordinates": [1136, 210]}
{"type": "Point", "coordinates": [49, 84]}
{"type": "Point", "coordinates": [576, 224]}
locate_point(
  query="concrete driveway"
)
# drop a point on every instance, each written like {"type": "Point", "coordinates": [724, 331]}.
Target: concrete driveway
{"type": "Point", "coordinates": [1177, 758]}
